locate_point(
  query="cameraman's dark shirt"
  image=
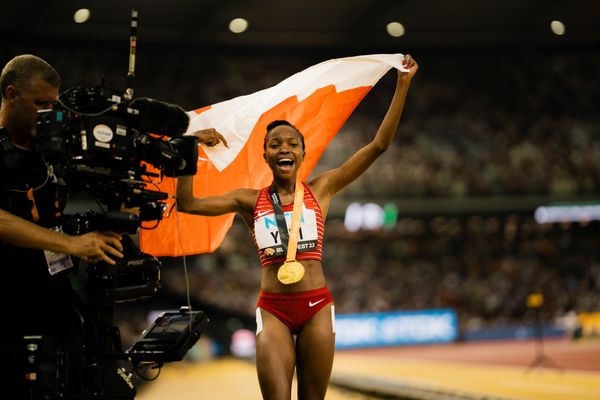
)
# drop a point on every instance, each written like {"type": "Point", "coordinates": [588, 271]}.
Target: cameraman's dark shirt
{"type": "Point", "coordinates": [38, 303]}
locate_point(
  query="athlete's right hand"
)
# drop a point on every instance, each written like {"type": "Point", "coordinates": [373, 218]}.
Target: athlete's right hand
{"type": "Point", "coordinates": [209, 137]}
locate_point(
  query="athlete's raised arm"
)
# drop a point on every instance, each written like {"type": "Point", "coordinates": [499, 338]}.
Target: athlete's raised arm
{"type": "Point", "coordinates": [330, 182]}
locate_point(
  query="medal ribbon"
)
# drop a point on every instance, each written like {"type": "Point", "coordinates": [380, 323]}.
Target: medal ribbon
{"type": "Point", "coordinates": [290, 243]}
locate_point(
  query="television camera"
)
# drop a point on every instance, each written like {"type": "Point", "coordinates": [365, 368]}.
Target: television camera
{"type": "Point", "coordinates": [106, 146]}
{"type": "Point", "coordinates": [99, 143]}
{"type": "Point", "coordinates": [113, 148]}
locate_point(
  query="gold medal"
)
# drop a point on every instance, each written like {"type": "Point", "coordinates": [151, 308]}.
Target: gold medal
{"type": "Point", "coordinates": [290, 272]}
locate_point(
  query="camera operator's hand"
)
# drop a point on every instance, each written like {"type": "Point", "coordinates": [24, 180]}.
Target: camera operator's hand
{"type": "Point", "coordinates": [94, 247]}
{"type": "Point", "coordinates": [209, 137]}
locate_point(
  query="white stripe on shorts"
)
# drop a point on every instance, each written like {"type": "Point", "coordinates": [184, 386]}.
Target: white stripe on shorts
{"type": "Point", "coordinates": [333, 318]}
{"type": "Point", "coordinates": [259, 324]}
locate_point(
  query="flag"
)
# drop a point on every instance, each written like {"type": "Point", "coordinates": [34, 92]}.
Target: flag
{"type": "Point", "coordinates": [317, 100]}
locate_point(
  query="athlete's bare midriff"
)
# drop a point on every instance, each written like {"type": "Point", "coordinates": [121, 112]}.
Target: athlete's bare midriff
{"type": "Point", "coordinates": [313, 278]}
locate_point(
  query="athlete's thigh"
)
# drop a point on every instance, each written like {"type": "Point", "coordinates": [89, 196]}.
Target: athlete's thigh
{"type": "Point", "coordinates": [315, 348]}
{"type": "Point", "coordinates": [275, 357]}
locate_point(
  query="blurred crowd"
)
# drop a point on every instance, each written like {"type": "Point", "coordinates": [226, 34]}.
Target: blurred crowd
{"type": "Point", "coordinates": [484, 267]}
{"type": "Point", "coordinates": [487, 126]}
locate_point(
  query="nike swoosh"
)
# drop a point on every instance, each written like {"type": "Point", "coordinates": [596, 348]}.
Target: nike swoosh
{"type": "Point", "coordinates": [311, 304]}
{"type": "Point", "coordinates": [261, 213]}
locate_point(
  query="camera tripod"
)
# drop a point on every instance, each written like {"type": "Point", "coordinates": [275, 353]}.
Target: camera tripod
{"type": "Point", "coordinates": [540, 359]}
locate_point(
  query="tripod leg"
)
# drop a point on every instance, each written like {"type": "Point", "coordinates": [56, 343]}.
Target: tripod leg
{"type": "Point", "coordinates": [540, 359]}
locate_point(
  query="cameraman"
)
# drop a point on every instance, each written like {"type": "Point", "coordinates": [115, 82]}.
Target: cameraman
{"type": "Point", "coordinates": [37, 297]}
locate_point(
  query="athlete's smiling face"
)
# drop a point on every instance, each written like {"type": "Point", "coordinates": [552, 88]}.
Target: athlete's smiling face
{"type": "Point", "coordinates": [284, 150]}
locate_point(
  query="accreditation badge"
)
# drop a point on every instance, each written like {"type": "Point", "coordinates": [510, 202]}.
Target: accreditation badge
{"type": "Point", "coordinates": [57, 262]}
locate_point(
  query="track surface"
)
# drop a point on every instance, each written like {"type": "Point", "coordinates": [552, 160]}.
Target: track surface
{"type": "Point", "coordinates": [490, 370]}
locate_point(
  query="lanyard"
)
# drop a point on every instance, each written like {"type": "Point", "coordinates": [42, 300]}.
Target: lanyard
{"type": "Point", "coordinates": [289, 242]}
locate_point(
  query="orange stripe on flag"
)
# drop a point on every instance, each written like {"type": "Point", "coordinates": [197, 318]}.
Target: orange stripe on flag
{"type": "Point", "coordinates": [319, 117]}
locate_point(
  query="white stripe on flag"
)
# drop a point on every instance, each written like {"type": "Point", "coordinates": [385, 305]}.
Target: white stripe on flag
{"type": "Point", "coordinates": [235, 119]}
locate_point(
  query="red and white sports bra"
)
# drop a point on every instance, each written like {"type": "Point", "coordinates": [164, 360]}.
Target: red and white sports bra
{"type": "Point", "coordinates": [266, 233]}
